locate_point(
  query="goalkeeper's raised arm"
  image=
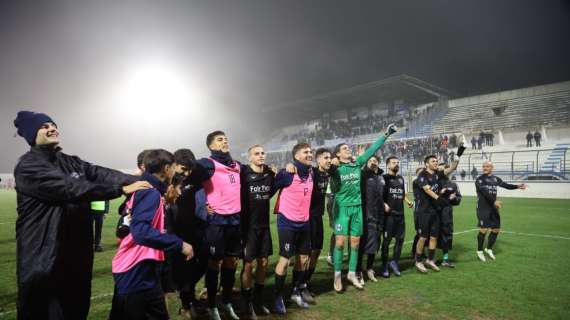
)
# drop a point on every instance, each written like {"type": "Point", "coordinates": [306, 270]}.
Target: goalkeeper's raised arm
{"type": "Point", "coordinates": [363, 158]}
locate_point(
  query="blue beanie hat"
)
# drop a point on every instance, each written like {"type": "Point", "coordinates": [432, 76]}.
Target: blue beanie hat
{"type": "Point", "coordinates": [28, 124]}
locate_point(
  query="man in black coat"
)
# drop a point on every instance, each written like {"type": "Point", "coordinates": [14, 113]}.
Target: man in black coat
{"type": "Point", "coordinates": [450, 190]}
{"type": "Point", "coordinates": [53, 229]}
{"type": "Point", "coordinates": [372, 185]}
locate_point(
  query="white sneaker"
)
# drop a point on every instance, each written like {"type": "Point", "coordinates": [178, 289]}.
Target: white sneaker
{"type": "Point", "coordinates": [432, 265]}
{"type": "Point", "coordinates": [481, 256]}
{"type": "Point", "coordinates": [371, 275]}
{"type": "Point", "coordinates": [228, 310]}
{"type": "Point", "coordinates": [352, 278]}
{"type": "Point", "coordinates": [298, 299]}
{"type": "Point", "coordinates": [337, 283]}
{"type": "Point", "coordinates": [421, 268]}
{"type": "Point", "coordinates": [360, 278]}
{"type": "Point", "coordinates": [213, 314]}
{"type": "Point", "coordinates": [489, 252]}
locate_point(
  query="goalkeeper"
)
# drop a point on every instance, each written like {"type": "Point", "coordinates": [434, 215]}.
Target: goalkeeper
{"type": "Point", "coordinates": [345, 176]}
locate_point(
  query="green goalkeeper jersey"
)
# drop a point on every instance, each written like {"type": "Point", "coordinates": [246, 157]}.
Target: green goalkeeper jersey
{"type": "Point", "coordinates": [346, 177]}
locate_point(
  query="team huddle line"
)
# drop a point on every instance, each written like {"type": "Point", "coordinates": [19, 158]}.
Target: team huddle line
{"type": "Point", "coordinates": [185, 218]}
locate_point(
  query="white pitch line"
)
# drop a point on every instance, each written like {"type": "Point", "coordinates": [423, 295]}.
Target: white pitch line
{"type": "Point", "coordinates": [536, 235]}
{"type": "Point", "coordinates": [324, 257]}
{"type": "Point", "coordinates": [411, 241]}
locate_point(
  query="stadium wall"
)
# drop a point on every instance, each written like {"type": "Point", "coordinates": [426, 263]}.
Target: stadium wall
{"type": "Point", "coordinates": [544, 190]}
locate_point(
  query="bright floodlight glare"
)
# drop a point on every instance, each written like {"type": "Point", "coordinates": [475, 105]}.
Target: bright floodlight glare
{"type": "Point", "coordinates": [156, 89]}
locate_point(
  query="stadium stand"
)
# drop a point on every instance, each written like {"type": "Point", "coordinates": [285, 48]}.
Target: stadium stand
{"type": "Point", "coordinates": [547, 105]}
{"type": "Point", "coordinates": [434, 127]}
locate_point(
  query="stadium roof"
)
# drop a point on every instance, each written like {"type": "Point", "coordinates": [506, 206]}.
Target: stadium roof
{"type": "Point", "coordinates": [412, 90]}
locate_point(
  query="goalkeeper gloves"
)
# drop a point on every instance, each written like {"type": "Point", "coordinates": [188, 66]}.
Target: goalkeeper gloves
{"type": "Point", "coordinates": [460, 150]}
{"type": "Point", "coordinates": [391, 129]}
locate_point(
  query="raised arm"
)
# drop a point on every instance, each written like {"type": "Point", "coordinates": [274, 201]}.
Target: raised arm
{"type": "Point", "coordinates": [452, 167]}
{"type": "Point", "coordinates": [368, 153]}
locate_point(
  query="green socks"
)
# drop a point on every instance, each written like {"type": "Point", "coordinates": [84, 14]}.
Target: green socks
{"type": "Point", "coordinates": [353, 259]}
{"type": "Point", "coordinates": [337, 259]}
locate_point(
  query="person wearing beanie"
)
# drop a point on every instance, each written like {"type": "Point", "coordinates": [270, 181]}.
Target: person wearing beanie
{"type": "Point", "coordinates": [53, 229]}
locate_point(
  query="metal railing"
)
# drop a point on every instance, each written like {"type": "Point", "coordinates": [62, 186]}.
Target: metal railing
{"type": "Point", "coordinates": [543, 164]}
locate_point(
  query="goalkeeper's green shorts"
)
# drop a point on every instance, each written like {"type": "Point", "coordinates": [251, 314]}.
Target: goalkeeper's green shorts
{"type": "Point", "coordinates": [348, 221]}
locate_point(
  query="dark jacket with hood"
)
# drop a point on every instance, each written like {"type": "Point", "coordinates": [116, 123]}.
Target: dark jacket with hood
{"type": "Point", "coordinates": [372, 200]}
{"type": "Point", "coordinates": [54, 233]}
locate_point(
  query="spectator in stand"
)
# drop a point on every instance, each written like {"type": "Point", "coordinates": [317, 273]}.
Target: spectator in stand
{"type": "Point", "coordinates": [537, 138]}
{"type": "Point", "coordinates": [481, 138]}
{"type": "Point", "coordinates": [480, 143]}
{"type": "Point", "coordinates": [529, 139]}
{"type": "Point", "coordinates": [474, 173]}
{"type": "Point", "coordinates": [453, 141]}
{"type": "Point", "coordinates": [473, 143]}
{"type": "Point", "coordinates": [492, 139]}
{"type": "Point", "coordinates": [462, 174]}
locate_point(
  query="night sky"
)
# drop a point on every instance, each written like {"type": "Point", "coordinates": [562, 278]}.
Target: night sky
{"type": "Point", "coordinates": [70, 58]}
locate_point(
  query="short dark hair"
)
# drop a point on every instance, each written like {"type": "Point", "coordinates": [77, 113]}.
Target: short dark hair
{"type": "Point", "coordinates": [426, 159]}
{"type": "Point", "coordinates": [140, 157]}
{"type": "Point", "coordinates": [185, 157]}
{"type": "Point", "coordinates": [157, 159]}
{"type": "Point", "coordinates": [210, 137]}
{"type": "Point", "coordinates": [337, 147]}
{"type": "Point", "coordinates": [178, 179]}
{"type": "Point", "coordinates": [299, 146]}
{"type": "Point", "coordinates": [320, 151]}
{"type": "Point", "coordinates": [375, 157]}
{"type": "Point", "coordinates": [390, 158]}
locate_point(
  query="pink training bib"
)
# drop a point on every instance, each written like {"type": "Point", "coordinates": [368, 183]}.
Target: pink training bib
{"type": "Point", "coordinates": [294, 202]}
{"type": "Point", "coordinates": [130, 253]}
{"type": "Point", "coordinates": [223, 189]}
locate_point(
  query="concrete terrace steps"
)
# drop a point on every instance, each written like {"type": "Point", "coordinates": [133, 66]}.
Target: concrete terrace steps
{"type": "Point", "coordinates": [547, 108]}
{"type": "Point", "coordinates": [554, 162]}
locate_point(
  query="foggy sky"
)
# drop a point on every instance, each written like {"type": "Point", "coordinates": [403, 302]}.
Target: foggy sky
{"type": "Point", "coordinates": [69, 58]}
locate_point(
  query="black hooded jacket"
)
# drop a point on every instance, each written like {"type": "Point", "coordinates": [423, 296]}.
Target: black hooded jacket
{"type": "Point", "coordinates": [372, 186]}
{"type": "Point", "coordinates": [53, 229]}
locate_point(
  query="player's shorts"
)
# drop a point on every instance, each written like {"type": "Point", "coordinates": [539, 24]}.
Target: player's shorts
{"type": "Point", "coordinates": [428, 222]}
{"type": "Point", "coordinates": [348, 221]}
{"type": "Point", "coordinates": [257, 244]}
{"type": "Point", "coordinates": [394, 226]}
{"type": "Point", "coordinates": [317, 232]}
{"type": "Point", "coordinates": [294, 242]}
{"type": "Point", "coordinates": [223, 241]}
{"type": "Point", "coordinates": [489, 219]}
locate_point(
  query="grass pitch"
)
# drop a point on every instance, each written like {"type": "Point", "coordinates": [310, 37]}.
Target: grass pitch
{"type": "Point", "coordinates": [529, 280]}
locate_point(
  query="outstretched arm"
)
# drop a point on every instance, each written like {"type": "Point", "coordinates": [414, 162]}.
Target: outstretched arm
{"type": "Point", "coordinates": [509, 186]}
{"type": "Point", "coordinates": [363, 158]}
